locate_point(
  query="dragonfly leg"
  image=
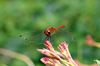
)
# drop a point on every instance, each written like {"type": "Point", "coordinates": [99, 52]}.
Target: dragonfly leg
{"type": "Point", "coordinates": [48, 38]}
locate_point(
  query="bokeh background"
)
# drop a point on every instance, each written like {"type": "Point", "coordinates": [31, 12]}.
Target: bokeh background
{"type": "Point", "coordinates": [22, 23]}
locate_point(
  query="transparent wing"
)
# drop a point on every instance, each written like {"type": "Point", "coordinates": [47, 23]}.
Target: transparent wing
{"type": "Point", "coordinates": [63, 35]}
{"type": "Point", "coordinates": [33, 39]}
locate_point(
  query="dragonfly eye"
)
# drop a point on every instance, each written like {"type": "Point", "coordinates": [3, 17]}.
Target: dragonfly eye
{"type": "Point", "coordinates": [49, 33]}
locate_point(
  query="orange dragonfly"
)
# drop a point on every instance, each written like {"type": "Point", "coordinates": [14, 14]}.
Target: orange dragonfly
{"type": "Point", "coordinates": [48, 32]}
{"type": "Point", "coordinates": [38, 37]}
{"type": "Point", "coordinates": [51, 30]}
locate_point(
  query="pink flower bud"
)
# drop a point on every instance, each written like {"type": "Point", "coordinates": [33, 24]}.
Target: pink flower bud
{"type": "Point", "coordinates": [46, 52]}
{"type": "Point", "coordinates": [56, 58]}
{"type": "Point", "coordinates": [45, 60]}
{"type": "Point", "coordinates": [49, 45]}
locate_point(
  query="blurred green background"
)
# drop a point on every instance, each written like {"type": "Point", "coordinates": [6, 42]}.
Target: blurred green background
{"type": "Point", "coordinates": [22, 23]}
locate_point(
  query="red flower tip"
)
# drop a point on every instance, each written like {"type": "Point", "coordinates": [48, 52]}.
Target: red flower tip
{"type": "Point", "coordinates": [49, 45]}
{"type": "Point", "coordinates": [45, 60]}
{"type": "Point", "coordinates": [47, 42]}
{"type": "Point", "coordinates": [64, 45]}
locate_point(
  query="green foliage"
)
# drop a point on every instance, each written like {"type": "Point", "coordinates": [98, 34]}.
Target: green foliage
{"type": "Point", "coordinates": [30, 17]}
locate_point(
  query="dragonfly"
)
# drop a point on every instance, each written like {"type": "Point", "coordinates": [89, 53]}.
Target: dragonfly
{"type": "Point", "coordinates": [60, 34]}
{"type": "Point", "coordinates": [53, 34]}
{"type": "Point", "coordinates": [51, 30]}
{"type": "Point", "coordinates": [47, 33]}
